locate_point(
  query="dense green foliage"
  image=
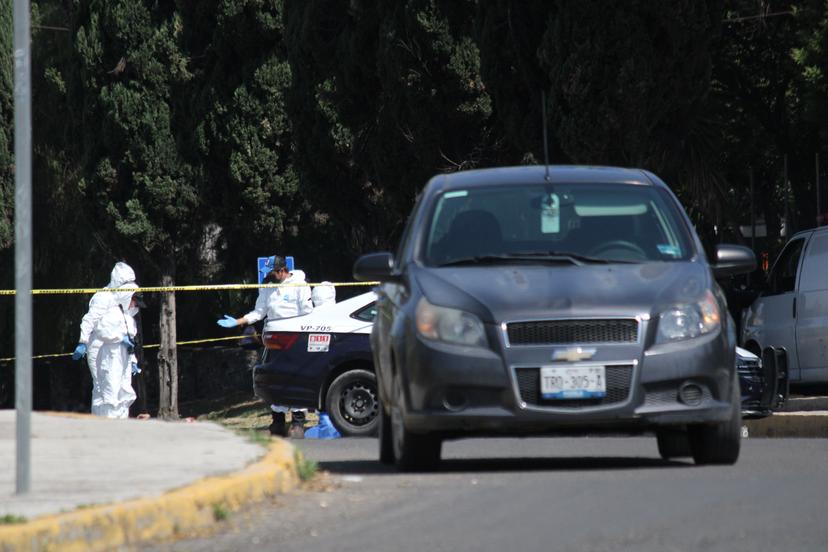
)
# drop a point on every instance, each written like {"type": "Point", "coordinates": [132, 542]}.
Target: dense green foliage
{"type": "Point", "coordinates": [191, 137]}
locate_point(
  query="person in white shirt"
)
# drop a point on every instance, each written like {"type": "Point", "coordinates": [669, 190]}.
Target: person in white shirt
{"type": "Point", "coordinates": [275, 304]}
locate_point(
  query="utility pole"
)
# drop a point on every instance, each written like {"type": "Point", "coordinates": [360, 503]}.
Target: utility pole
{"type": "Point", "coordinates": [22, 243]}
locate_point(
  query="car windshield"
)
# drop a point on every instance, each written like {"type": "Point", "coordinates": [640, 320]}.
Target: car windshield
{"type": "Point", "coordinates": [561, 223]}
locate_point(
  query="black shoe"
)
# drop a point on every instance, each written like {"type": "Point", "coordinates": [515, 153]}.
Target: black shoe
{"type": "Point", "coordinates": [279, 424]}
{"type": "Point", "coordinates": [297, 425]}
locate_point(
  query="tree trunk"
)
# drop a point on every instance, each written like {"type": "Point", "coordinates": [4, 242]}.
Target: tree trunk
{"type": "Point", "coordinates": [167, 354]}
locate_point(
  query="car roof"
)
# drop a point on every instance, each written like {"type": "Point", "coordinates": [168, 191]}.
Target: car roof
{"type": "Point", "coordinates": [528, 174]}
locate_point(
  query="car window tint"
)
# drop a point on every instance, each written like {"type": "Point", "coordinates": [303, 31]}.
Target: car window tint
{"type": "Point", "coordinates": [607, 221]}
{"type": "Point", "coordinates": [782, 278]}
{"type": "Point", "coordinates": [815, 264]}
{"type": "Point", "coordinates": [367, 314]}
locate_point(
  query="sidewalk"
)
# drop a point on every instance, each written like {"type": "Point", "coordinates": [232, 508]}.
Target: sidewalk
{"type": "Point", "coordinates": [88, 472]}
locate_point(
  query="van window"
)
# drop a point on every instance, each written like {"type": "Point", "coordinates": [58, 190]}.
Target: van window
{"type": "Point", "coordinates": [782, 278]}
{"type": "Point", "coordinates": [815, 264]}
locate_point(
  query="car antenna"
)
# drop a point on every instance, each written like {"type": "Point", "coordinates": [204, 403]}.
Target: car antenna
{"type": "Point", "coordinates": [545, 144]}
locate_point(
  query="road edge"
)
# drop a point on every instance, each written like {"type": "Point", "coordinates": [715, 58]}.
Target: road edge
{"type": "Point", "coordinates": [790, 424]}
{"type": "Point", "coordinates": [176, 512]}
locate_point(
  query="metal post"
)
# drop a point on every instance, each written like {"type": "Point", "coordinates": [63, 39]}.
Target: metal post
{"type": "Point", "coordinates": [786, 198]}
{"type": "Point", "coordinates": [752, 223]}
{"type": "Point", "coordinates": [752, 214]}
{"type": "Point", "coordinates": [819, 204]}
{"type": "Point", "coordinates": [23, 243]}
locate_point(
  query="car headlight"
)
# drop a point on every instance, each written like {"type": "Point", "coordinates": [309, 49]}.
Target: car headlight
{"type": "Point", "coordinates": [689, 320]}
{"type": "Point", "coordinates": [449, 325]}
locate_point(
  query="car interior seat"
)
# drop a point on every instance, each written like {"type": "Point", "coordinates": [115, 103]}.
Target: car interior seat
{"type": "Point", "coordinates": [471, 234]}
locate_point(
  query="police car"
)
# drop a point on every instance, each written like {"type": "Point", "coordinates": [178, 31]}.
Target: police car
{"type": "Point", "coordinates": [323, 360]}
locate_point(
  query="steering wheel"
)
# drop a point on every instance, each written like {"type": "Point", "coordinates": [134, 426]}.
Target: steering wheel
{"type": "Point", "coordinates": [623, 246]}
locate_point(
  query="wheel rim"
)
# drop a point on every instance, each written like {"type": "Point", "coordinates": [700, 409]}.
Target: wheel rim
{"type": "Point", "coordinates": [358, 403]}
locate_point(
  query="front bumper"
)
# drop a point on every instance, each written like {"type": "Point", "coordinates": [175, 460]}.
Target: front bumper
{"type": "Point", "coordinates": [454, 390]}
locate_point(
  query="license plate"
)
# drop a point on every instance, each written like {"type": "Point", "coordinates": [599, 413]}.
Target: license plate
{"type": "Point", "coordinates": [573, 382]}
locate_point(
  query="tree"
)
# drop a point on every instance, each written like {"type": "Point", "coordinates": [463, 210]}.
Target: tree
{"type": "Point", "coordinates": [6, 127]}
{"type": "Point", "coordinates": [384, 96]}
{"type": "Point", "coordinates": [140, 179]}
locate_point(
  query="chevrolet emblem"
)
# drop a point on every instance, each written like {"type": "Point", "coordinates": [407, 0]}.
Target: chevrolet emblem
{"type": "Point", "coordinates": [574, 354]}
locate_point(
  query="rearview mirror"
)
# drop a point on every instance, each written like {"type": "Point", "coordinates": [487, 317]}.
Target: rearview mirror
{"type": "Point", "coordinates": [374, 266]}
{"type": "Point", "coordinates": [733, 259]}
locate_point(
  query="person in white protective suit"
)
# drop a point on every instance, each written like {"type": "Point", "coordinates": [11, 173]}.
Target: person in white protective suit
{"type": "Point", "coordinates": [107, 339]}
{"type": "Point", "coordinates": [323, 295]}
{"type": "Point", "coordinates": [275, 304]}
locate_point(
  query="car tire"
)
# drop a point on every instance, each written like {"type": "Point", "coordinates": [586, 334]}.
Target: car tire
{"type": "Point", "coordinates": [673, 443]}
{"type": "Point", "coordinates": [412, 451]}
{"type": "Point", "coordinates": [353, 404]}
{"type": "Point", "coordinates": [719, 443]}
{"type": "Point", "coordinates": [386, 444]}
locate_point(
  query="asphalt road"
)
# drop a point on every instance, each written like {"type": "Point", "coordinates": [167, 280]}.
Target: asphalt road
{"type": "Point", "coordinates": [550, 494]}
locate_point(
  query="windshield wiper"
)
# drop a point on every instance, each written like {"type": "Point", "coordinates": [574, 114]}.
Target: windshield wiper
{"type": "Point", "coordinates": [534, 256]}
{"type": "Point", "coordinates": [479, 259]}
{"type": "Point", "coordinates": [575, 258]}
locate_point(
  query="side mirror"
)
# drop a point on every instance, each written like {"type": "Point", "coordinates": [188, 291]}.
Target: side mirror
{"type": "Point", "coordinates": [733, 259]}
{"type": "Point", "coordinates": [374, 266]}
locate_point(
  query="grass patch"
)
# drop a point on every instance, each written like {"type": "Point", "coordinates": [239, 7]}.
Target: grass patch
{"type": "Point", "coordinates": [11, 519]}
{"type": "Point", "coordinates": [306, 468]}
{"type": "Point", "coordinates": [220, 511]}
{"type": "Point", "coordinates": [256, 436]}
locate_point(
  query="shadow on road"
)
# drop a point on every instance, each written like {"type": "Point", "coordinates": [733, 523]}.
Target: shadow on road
{"type": "Point", "coordinates": [588, 463]}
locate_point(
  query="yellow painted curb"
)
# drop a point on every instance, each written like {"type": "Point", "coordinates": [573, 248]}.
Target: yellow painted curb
{"type": "Point", "coordinates": [128, 523]}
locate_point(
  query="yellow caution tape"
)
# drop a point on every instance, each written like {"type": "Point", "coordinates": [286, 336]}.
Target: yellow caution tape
{"type": "Point", "coordinates": [154, 346]}
{"type": "Point", "coordinates": [216, 287]}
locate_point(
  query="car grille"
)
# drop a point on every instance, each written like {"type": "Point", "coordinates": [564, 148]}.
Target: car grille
{"type": "Point", "coordinates": [619, 378]}
{"type": "Point", "coordinates": [550, 332]}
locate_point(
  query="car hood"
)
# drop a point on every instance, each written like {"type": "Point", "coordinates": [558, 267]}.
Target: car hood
{"type": "Point", "coordinates": [515, 292]}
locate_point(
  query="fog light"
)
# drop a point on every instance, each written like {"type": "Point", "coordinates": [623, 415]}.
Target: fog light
{"type": "Point", "coordinates": [454, 401]}
{"type": "Point", "coordinates": [691, 394]}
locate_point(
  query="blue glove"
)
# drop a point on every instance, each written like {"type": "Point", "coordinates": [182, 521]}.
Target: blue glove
{"type": "Point", "coordinates": [128, 342]}
{"type": "Point", "coordinates": [227, 322]}
{"type": "Point", "coordinates": [80, 351]}
{"type": "Point", "coordinates": [135, 369]}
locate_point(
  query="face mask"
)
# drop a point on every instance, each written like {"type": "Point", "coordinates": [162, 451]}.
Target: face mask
{"type": "Point", "coordinates": [272, 278]}
{"type": "Point", "coordinates": [132, 311]}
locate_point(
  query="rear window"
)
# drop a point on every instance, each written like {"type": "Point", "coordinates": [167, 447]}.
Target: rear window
{"type": "Point", "coordinates": [622, 222]}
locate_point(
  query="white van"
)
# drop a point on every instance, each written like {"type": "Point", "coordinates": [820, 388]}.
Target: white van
{"type": "Point", "coordinates": [792, 311]}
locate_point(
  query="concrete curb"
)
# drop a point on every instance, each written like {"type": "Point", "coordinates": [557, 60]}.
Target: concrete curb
{"type": "Point", "coordinates": [128, 523]}
{"type": "Point", "coordinates": [790, 424]}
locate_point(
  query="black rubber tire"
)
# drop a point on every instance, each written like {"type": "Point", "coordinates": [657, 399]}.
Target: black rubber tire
{"type": "Point", "coordinates": [412, 451]}
{"type": "Point", "coordinates": [719, 443]}
{"type": "Point", "coordinates": [673, 443]}
{"type": "Point", "coordinates": [353, 404]}
{"type": "Point", "coordinates": [386, 444]}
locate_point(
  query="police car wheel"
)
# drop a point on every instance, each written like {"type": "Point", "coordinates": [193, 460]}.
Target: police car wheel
{"type": "Point", "coordinates": [353, 404]}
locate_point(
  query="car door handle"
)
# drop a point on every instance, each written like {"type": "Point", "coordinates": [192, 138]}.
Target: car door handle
{"type": "Point", "coordinates": [794, 307]}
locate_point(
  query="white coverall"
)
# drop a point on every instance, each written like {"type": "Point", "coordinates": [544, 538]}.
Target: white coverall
{"type": "Point", "coordinates": [282, 302]}
{"type": "Point", "coordinates": [103, 328]}
{"type": "Point", "coordinates": [323, 295]}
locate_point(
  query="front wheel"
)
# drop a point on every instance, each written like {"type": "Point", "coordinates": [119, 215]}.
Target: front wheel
{"type": "Point", "coordinates": [719, 443]}
{"type": "Point", "coordinates": [386, 444]}
{"type": "Point", "coordinates": [412, 451]}
{"type": "Point", "coordinates": [673, 443]}
{"type": "Point", "coordinates": [353, 404]}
